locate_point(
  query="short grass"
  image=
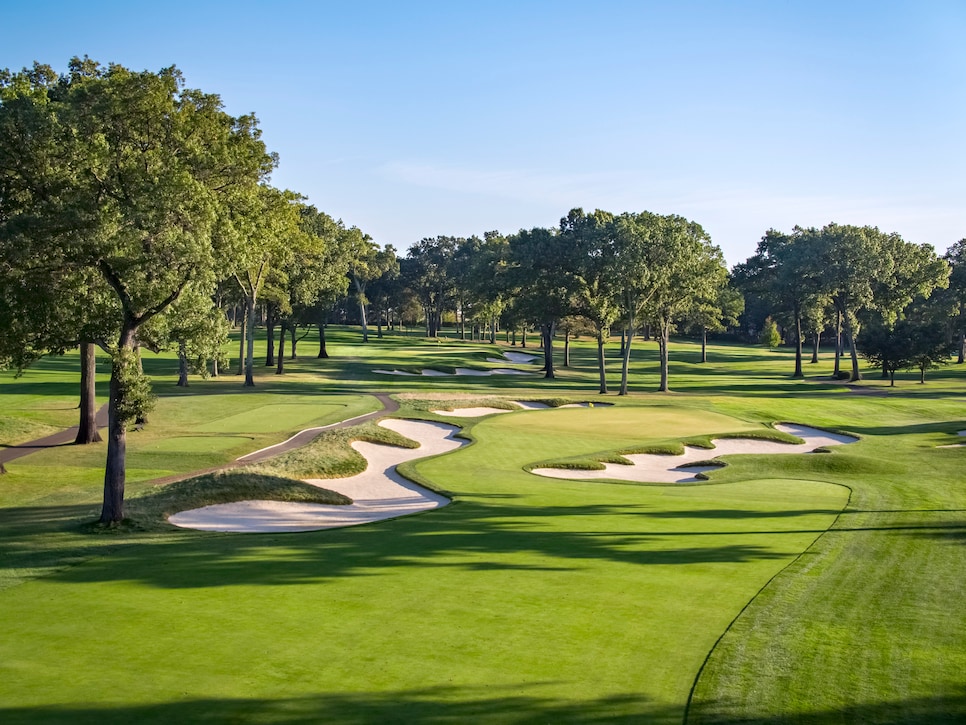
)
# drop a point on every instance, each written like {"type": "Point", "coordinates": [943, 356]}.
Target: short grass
{"type": "Point", "coordinates": [832, 580]}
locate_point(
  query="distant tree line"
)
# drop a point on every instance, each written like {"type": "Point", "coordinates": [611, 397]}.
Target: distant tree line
{"type": "Point", "coordinates": [896, 303]}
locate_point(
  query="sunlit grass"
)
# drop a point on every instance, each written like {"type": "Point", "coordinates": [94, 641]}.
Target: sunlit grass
{"type": "Point", "coordinates": [527, 599]}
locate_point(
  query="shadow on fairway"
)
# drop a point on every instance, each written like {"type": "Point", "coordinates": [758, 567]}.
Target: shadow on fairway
{"type": "Point", "coordinates": [493, 535]}
{"type": "Point", "coordinates": [443, 704]}
{"type": "Point", "coordinates": [946, 708]}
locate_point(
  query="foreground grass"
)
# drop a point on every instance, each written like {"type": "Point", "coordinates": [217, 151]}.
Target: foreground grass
{"type": "Point", "coordinates": [527, 600]}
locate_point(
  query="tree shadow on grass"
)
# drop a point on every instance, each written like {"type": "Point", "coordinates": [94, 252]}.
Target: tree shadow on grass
{"type": "Point", "coordinates": [433, 705]}
{"type": "Point", "coordinates": [948, 708]}
{"type": "Point", "coordinates": [469, 535]}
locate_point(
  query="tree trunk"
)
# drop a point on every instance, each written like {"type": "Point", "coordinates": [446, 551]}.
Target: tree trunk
{"type": "Point", "coordinates": [567, 348]}
{"type": "Point", "coordinates": [627, 336]}
{"type": "Point", "coordinates": [241, 342]}
{"type": "Point", "coordinates": [362, 316]}
{"type": "Point", "coordinates": [87, 425]}
{"type": "Point", "coordinates": [922, 374]}
{"type": "Point", "coordinates": [112, 510]}
{"type": "Point", "coordinates": [662, 344]}
{"type": "Point", "coordinates": [601, 364]}
{"type": "Point", "coordinates": [323, 353]}
{"type": "Point", "coordinates": [280, 366]}
{"type": "Point", "coordinates": [142, 418]}
{"type": "Point", "coordinates": [704, 344]}
{"type": "Point", "coordinates": [798, 347]}
{"type": "Point", "coordinates": [816, 341]}
{"type": "Point", "coordinates": [182, 365]}
{"type": "Point", "coordinates": [523, 337]}
{"type": "Point", "coordinates": [493, 331]}
{"type": "Point", "coordinates": [250, 334]}
{"type": "Point", "coordinates": [892, 378]}
{"type": "Point", "coordinates": [838, 344]}
{"type": "Point", "coordinates": [294, 329]}
{"type": "Point", "coordinates": [547, 330]}
{"type": "Point", "coordinates": [850, 337]}
{"type": "Point", "coordinates": [962, 348]}
{"type": "Point", "coordinates": [270, 321]}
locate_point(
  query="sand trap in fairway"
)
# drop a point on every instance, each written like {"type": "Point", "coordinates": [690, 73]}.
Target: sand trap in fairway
{"type": "Point", "coordinates": [377, 493]}
{"type": "Point", "coordinates": [514, 357]}
{"type": "Point", "coordinates": [459, 371]}
{"type": "Point", "coordinates": [471, 412]}
{"type": "Point", "coordinates": [525, 404]}
{"type": "Point", "coordinates": [659, 468]}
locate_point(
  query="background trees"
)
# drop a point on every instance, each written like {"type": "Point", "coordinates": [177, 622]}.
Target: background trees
{"type": "Point", "coordinates": [868, 276]}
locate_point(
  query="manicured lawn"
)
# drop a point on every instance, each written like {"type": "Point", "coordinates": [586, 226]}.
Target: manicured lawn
{"type": "Point", "coordinates": [832, 580]}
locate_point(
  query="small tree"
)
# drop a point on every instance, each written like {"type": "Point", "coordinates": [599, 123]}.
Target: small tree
{"type": "Point", "coordinates": [770, 337]}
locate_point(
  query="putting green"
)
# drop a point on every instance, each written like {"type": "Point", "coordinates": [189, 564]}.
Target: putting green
{"type": "Point", "coordinates": [618, 426]}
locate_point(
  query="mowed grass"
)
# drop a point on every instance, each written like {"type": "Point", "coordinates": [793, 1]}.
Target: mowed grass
{"type": "Point", "coordinates": [528, 599]}
{"type": "Point", "coordinates": [506, 596]}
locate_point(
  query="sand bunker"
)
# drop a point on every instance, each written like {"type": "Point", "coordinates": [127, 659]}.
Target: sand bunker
{"type": "Point", "coordinates": [459, 371]}
{"type": "Point", "coordinates": [471, 412]}
{"type": "Point", "coordinates": [525, 404]}
{"type": "Point", "coordinates": [657, 468]}
{"type": "Point", "coordinates": [521, 358]}
{"type": "Point", "coordinates": [378, 493]}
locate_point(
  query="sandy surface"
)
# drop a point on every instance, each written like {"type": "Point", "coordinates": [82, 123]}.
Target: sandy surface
{"type": "Point", "coordinates": [525, 404]}
{"type": "Point", "coordinates": [519, 357]}
{"type": "Point", "coordinates": [429, 372]}
{"type": "Point", "coordinates": [654, 468]}
{"type": "Point", "coordinates": [377, 493]}
{"type": "Point", "coordinates": [471, 412]}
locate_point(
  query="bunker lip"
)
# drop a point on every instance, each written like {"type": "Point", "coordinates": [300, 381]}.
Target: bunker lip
{"type": "Point", "coordinates": [525, 404]}
{"type": "Point", "coordinates": [466, 372]}
{"type": "Point", "coordinates": [378, 493]}
{"type": "Point", "coordinates": [663, 468]}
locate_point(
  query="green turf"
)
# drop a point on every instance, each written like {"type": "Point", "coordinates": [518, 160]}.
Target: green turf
{"type": "Point", "coordinates": [528, 599]}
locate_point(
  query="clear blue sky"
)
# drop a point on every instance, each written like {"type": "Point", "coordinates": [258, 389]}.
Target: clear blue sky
{"type": "Point", "coordinates": [415, 119]}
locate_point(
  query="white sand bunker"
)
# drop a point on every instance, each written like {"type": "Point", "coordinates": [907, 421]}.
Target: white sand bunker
{"type": "Point", "coordinates": [659, 468]}
{"type": "Point", "coordinates": [377, 493]}
{"type": "Point", "coordinates": [520, 358]}
{"type": "Point", "coordinates": [525, 404]}
{"type": "Point", "coordinates": [459, 371]}
{"type": "Point", "coordinates": [471, 412]}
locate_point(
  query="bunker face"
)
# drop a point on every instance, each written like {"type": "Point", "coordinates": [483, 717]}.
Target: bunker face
{"type": "Point", "coordinates": [525, 404]}
{"type": "Point", "coordinates": [659, 468]}
{"type": "Point", "coordinates": [468, 372]}
{"type": "Point", "coordinates": [378, 492]}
